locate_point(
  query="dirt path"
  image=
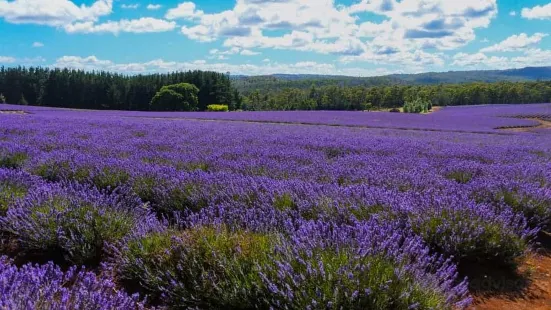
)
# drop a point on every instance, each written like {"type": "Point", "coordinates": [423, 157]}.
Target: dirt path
{"type": "Point", "coordinates": [543, 124]}
{"type": "Point", "coordinates": [12, 112]}
{"type": "Point", "coordinates": [530, 291]}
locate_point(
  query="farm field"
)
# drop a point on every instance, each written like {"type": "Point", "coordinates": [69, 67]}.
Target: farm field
{"type": "Point", "coordinates": [282, 210]}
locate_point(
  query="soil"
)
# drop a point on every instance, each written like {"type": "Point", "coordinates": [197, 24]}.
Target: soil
{"type": "Point", "coordinates": [529, 288]}
{"type": "Point", "coordinates": [12, 112]}
{"type": "Point", "coordinates": [543, 124]}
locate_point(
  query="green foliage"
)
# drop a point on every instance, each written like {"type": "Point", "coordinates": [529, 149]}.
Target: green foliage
{"type": "Point", "coordinates": [284, 202]}
{"type": "Point", "coordinates": [217, 108]}
{"type": "Point", "coordinates": [58, 217]}
{"type": "Point", "coordinates": [15, 160]}
{"type": "Point", "coordinates": [337, 94]}
{"type": "Point", "coordinates": [417, 105]}
{"type": "Point", "coordinates": [460, 176]}
{"type": "Point", "coordinates": [177, 97]}
{"type": "Point", "coordinates": [2, 98]}
{"type": "Point", "coordinates": [350, 272]}
{"type": "Point", "coordinates": [22, 100]}
{"type": "Point", "coordinates": [8, 194]}
{"type": "Point", "coordinates": [105, 90]}
{"type": "Point", "coordinates": [496, 243]}
{"type": "Point", "coordinates": [214, 268]}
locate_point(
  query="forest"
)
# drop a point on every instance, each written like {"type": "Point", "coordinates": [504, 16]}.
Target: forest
{"type": "Point", "coordinates": [110, 91]}
{"type": "Point", "coordinates": [334, 97]}
{"type": "Point", "coordinates": [107, 91]}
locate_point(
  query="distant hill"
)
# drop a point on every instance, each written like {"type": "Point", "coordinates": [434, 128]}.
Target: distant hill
{"type": "Point", "coordinates": [279, 81]}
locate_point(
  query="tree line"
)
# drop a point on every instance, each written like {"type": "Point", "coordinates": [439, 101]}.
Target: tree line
{"type": "Point", "coordinates": [334, 97]}
{"type": "Point", "coordinates": [104, 90]}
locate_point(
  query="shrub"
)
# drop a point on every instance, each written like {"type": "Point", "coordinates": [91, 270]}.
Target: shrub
{"type": "Point", "coordinates": [177, 97]}
{"type": "Point", "coordinates": [14, 184]}
{"type": "Point", "coordinates": [319, 266]}
{"type": "Point", "coordinates": [368, 266]}
{"type": "Point", "coordinates": [72, 224]}
{"type": "Point", "coordinates": [203, 267]}
{"type": "Point", "coordinates": [2, 98]}
{"type": "Point", "coordinates": [473, 235]}
{"type": "Point", "coordinates": [460, 176]}
{"type": "Point", "coordinates": [12, 160]}
{"type": "Point", "coordinates": [47, 287]}
{"type": "Point", "coordinates": [55, 170]}
{"type": "Point", "coordinates": [531, 201]}
{"type": "Point", "coordinates": [417, 106]}
{"type": "Point", "coordinates": [217, 108]}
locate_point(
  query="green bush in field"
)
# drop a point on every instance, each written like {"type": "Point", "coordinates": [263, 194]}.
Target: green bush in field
{"type": "Point", "coordinates": [13, 160]}
{"type": "Point", "coordinates": [201, 267]}
{"type": "Point", "coordinates": [417, 106]}
{"type": "Point", "coordinates": [218, 108]}
{"type": "Point", "coordinates": [2, 98]}
{"type": "Point", "coordinates": [177, 97]}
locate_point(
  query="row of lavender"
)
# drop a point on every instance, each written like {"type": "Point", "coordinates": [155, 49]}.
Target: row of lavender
{"type": "Point", "coordinates": [218, 215]}
{"type": "Point", "coordinates": [462, 119]}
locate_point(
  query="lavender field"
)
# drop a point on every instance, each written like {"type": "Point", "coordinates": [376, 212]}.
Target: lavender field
{"type": "Point", "coordinates": [266, 210]}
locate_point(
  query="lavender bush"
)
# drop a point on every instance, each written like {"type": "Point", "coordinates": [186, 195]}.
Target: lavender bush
{"type": "Point", "coordinates": [72, 223]}
{"type": "Point", "coordinates": [318, 266]}
{"type": "Point", "coordinates": [47, 287]}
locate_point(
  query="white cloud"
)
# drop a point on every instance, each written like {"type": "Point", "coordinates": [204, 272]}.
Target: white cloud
{"type": "Point", "coordinates": [515, 43]}
{"type": "Point", "coordinates": [410, 27]}
{"type": "Point", "coordinates": [513, 13]}
{"type": "Point", "coordinates": [185, 10]}
{"type": "Point", "coordinates": [249, 53]}
{"type": "Point", "coordinates": [154, 7]}
{"type": "Point", "coordinates": [266, 60]}
{"type": "Point", "coordinates": [38, 44]}
{"type": "Point", "coordinates": [478, 59]}
{"type": "Point", "coordinates": [7, 59]}
{"type": "Point", "coordinates": [537, 12]}
{"type": "Point", "coordinates": [160, 65]}
{"type": "Point", "coordinates": [130, 6]}
{"type": "Point", "coordinates": [530, 58]}
{"type": "Point", "coordinates": [232, 51]}
{"type": "Point", "coordinates": [52, 12]}
{"type": "Point", "coordinates": [142, 25]}
{"type": "Point", "coordinates": [21, 61]}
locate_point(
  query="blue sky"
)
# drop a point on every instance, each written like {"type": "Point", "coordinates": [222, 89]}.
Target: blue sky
{"type": "Point", "coordinates": [252, 37]}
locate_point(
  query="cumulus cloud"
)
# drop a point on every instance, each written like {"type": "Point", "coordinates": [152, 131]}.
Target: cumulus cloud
{"type": "Point", "coordinates": [160, 65]}
{"type": "Point", "coordinates": [410, 27]}
{"type": "Point", "coordinates": [185, 10]}
{"type": "Point", "coordinates": [529, 58]}
{"type": "Point", "coordinates": [38, 44]}
{"type": "Point", "coordinates": [537, 12]}
{"type": "Point", "coordinates": [515, 43]}
{"type": "Point", "coordinates": [130, 6]}
{"type": "Point", "coordinates": [142, 25]}
{"type": "Point", "coordinates": [52, 12]}
{"type": "Point", "coordinates": [21, 61]}
{"type": "Point", "coordinates": [154, 7]}
{"type": "Point", "coordinates": [216, 53]}
{"type": "Point", "coordinates": [7, 59]}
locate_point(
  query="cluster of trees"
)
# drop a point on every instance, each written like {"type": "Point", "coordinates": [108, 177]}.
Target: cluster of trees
{"type": "Point", "coordinates": [177, 97]}
{"type": "Point", "coordinates": [278, 82]}
{"type": "Point", "coordinates": [335, 97]}
{"type": "Point", "coordinates": [417, 105]}
{"type": "Point", "coordinates": [104, 90]}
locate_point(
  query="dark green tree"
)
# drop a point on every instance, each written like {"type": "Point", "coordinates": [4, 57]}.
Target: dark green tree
{"type": "Point", "coordinates": [177, 97]}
